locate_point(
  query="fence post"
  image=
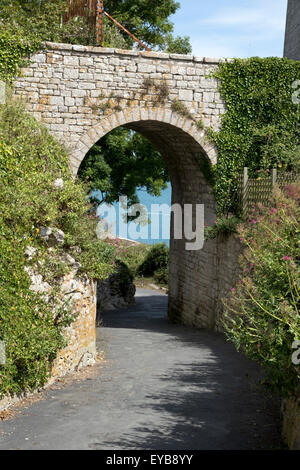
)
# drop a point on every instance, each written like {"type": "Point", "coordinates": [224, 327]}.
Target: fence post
{"type": "Point", "coordinates": [274, 177]}
{"type": "Point", "coordinates": [99, 22]}
{"type": "Point", "coordinates": [245, 186]}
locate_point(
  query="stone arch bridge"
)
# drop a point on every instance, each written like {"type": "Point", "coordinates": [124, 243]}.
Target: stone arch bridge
{"type": "Point", "coordinates": [81, 93]}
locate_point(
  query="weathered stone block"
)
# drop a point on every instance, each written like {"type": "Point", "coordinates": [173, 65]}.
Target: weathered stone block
{"type": "Point", "coordinates": [186, 95]}
{"type": "Point", "coordinates": [71, 73]}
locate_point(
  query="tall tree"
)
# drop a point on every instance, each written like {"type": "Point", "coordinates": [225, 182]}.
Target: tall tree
{"type": "Point", "coordinates": [150, 22]}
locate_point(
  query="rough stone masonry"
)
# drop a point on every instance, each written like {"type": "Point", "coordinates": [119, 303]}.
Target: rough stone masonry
{"type": "Point", "coordinates": [81, 93]}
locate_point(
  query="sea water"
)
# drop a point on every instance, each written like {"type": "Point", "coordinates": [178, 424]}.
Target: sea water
{"type": "Point", "coordinates": [159, 221]}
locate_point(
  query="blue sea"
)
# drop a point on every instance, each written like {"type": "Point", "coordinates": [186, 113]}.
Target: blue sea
{"type": "Point", "coordinates": [155, 227]}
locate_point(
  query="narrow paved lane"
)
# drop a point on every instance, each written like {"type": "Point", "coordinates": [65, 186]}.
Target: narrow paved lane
{"type": "Point", "coordinates": [162, 387]}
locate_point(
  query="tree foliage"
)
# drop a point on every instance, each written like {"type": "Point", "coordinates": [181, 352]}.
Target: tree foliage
{"type": "Point", "coordinates": [148, 20]}
{"type": "Point", "coordinates": [122, 162]}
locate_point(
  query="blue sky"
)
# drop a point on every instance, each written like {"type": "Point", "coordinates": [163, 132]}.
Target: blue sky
{"type": "Point", "coordinates": [233, 28]}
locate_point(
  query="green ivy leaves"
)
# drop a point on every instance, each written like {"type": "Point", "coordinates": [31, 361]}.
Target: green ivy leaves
{"type": "Point", "coordinates": [261, 128]}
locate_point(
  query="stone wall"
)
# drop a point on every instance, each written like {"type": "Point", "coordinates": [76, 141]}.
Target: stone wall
{"type": "Point", "coordinates": [229, 250]}
{"type": "Point", "coordinates": [115, 292]}
{"type": "Point", "coordinates": [292, 33]}
{"type": "Point", "coordinates": [291, 423]}
{"type": "Point", "coordinates": [81, 335]}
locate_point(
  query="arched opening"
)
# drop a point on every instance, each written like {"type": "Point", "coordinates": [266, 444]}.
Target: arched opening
{"type": "Point", "coordinates": [192, 274]}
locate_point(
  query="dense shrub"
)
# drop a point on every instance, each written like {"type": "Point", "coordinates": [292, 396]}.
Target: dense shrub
{"type": "Point", "coordinates": [124, 275]}
{"type": "Point", "coordinates": [161, 276]}
{"type": "Point", "coordinates": [145, 260]}
{"type": "Point", "coordinates": [133, 255]}
{"type": "Point", "coordinates": [262, 314]}
{"type": "Point", "coordinates": [30, 162]}
{"type": "Point", "coordinates": [157, 258]}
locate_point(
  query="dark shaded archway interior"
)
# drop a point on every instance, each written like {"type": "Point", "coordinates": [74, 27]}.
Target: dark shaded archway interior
{"type": "Point", "coordinates": [192, 273]}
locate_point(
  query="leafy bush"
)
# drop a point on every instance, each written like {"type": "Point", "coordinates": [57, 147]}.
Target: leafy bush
{"type": "Point", "coordinates": [124, 275]}
{"type": "Point", "coordinates": [161, 276]}
{"type": "Point", "coordinates": [30, 162]}
{"type": "Point", "coordinates": [133, 256]}
{"type": "Point", "coordinates": [157, 258]}
{"type": "Point", "coordinates": [262, 313]}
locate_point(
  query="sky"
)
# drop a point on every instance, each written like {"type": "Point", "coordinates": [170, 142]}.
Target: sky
{"type": "Point", "coordinates": [233, 28]}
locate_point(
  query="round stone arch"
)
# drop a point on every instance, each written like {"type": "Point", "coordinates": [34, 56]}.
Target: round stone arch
{"type": "Point", "coordinates": [184, 147]}
{"type": "Point", "coordinates": [144, 117]}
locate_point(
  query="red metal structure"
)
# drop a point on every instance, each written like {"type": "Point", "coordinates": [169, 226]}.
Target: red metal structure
{"type": "Point", "coordinates": [93, 10]}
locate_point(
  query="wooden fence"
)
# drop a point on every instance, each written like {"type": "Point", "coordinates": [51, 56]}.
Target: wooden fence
{"type": "Point", "coordinates": [259, 190]}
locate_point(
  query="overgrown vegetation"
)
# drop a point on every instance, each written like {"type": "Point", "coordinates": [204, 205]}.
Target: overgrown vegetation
{"type": "Point", "coordinates": [156, 260]}
{"type": "Point", "coordinates": [32, 324]}
{"type": "Point", "coordinates": [223, 226]}
{"type": "Point", "coordinates": [261, 127]}
{"type": "Point", "coordinates": [179, 107]}
{"type": "Point", "coordinates": [145, 261]}
{"type": "Point", "coordinates": [30, 162]}
{"type": "Point", "coordinates": [44, 20]}
{"type": "Point", "coordinates": [121, 163]}
{"type": "Point", "coordinates": [262, 314]}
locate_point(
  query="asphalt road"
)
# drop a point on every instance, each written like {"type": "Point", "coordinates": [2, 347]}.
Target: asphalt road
{"type": "Point", "coordinates": [162, 387]}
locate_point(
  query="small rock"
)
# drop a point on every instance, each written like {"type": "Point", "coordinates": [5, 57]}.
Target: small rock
{"type": "Point", "coordinates": [59, 183]}
{"type": "Point", "coordinates": [71, 286]}
{"type": "Point", "coordinates": [45, 233]}
{"type": "Point", "coordinates": [69, 259]}
{"type": "Point", "coordinates": [37, 284]}
{"type": "Point", "coordinates": [58, 237]}
{"type": "Point", "coordinates": [30, 252]}
{"type": "Point", "coordinates": [52, 236]}
{"type": "Point", "coordinates": [88, 359]}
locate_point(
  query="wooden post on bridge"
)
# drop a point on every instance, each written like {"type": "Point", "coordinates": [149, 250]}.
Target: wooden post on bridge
{"type": "Point", "coordinates": [245, 189]}
{"type": "Point", "coordinates": [99, 22]}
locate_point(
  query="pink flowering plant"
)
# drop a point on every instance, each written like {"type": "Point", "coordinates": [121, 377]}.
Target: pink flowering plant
{"type": "Point", "coordinates": [262, 311]}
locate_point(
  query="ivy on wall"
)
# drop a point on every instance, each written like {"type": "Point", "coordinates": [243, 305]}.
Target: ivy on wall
{"type": "Point", "coordinates": [14, 46]}
{"type": "Point", "coordinates": [261, 127]}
